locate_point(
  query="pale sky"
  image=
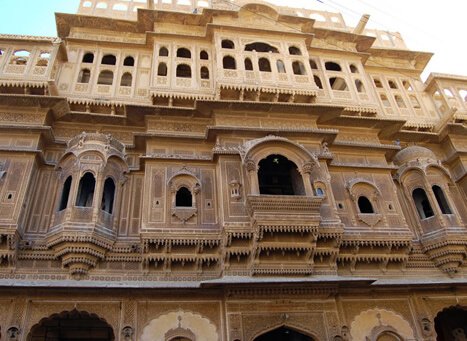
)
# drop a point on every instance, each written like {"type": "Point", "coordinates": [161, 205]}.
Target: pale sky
{"type": "Point", "coordinates": [438, 26]}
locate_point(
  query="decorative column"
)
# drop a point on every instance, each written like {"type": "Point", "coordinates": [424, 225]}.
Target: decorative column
{"type": "Point", "coordinates": [252, 170]}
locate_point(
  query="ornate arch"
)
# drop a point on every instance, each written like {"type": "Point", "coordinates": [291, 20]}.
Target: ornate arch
{"type": "Point", "coordinates": [289, 325]}
{"type": "Point", "coordinates": [367, 322]}
{"type": "Point", "coordinates": [258, 149]}
{"type": "Point", "coordinates": [201, 327]}
{"type": "Point", "coordinates": [66, 313]}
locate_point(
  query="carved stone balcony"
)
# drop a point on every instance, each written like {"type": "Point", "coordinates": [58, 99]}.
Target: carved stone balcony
{"type": "Point", "coordinates": [285, 232]}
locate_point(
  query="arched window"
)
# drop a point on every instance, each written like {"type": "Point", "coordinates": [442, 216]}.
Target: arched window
{"type": "Point", "coordinates": [162, 69]}
{"type": "Point", "coordinates": [227, 44]}
{"type": "Point", "coordinates": [280, 66]}
{"type": "Point", "coordinates": [441, 199]}
{"type": "Point", "coordinates": [415, 102]}
{"type": "Point", "coordinates": [359, 85]}
{"type": "Point", "coordinates": [261, 47]}
{"type": "Point", "coordinates": [313, 64]}
{"type": "Point", "coordinates": [183, 198]}
{"type": "Point", "coordinates": [204, 72]}
{"type": "Point", "coordinates": [88, 58]}
{"type": "Point", "coordinates": [84, 76]}
{"type": "Point", "coordinates": [228, 62]}
{"type": "Point", "coordinates": [400, 102]}
{"type": "Point", "coordinates": [129, 61]}
{"type": "Point", "coordinates": [385, 100]}
{"type": "Point", "coordinates": [203, 55]}
{"type": "Point", "coordinates": [65, 194]}
{"type": "Point", "coordinates": [109, 59]}
{"type": "Point", "coordinates": [338, 83]}
{"type": "Point", "coordinates": [163, 52]}
{"type": "Point", "coordinates": [86, 188]}
{"type": "Point", "coordinates": [353, 68]}
{"type": "Point", "coordinates": [318, 82]}
{"type": "Point", "coordinates": [392, 84]}
{"type": "Point", "coordinates": [364, 205]}
{"type": "Point", "coordinates": [332, 66]}
{"type": "Point", "coordinates": [264, 65]}
{"type": "Point", "coordinates": [279, 176]}
{"type": "Point", "coordinates": [248, 64]}
{"type": "Point", "coordinates": [126, 80]}
{"type": "Point", "coordinates": [183, 53]}
{"type": "Point", "coordinates": [298, 68]}
{"type": "Point", "coordinates": [108, 196]}
{"type": "Point", "coordinates": [295, 51]}
{"type": "Point", "coordinates": [422, 203]}
{"type": "Point", "coordinates": [183, 71]}
{"type": "Point", "coordinates": [388, 336]}
{"type": "Point", "coordinates": [106, 77]}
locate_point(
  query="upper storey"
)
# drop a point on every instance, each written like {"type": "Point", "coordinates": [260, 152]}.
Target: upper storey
{"type": "Point", "coordinates": [128, 9]}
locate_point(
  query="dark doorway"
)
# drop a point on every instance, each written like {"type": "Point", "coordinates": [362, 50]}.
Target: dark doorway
{"type": "Point", "coordinates": [283, 334]}
{"type": "Point", "coordinates": [451, 324]}
{"type": "Point", "coordinates": [72, 326]}
{"type": "Point", "coordinates": [278, 175]}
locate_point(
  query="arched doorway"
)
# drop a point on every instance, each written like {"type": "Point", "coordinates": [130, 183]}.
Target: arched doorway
{"type": "Point", "coordinates": [283, 334]}
{"type": "Point", "coordinates": [278, 175]}
{"type": "Point", "coordinates": [72, 326]}
{"type": "Point", "coordinates": [451, 324]}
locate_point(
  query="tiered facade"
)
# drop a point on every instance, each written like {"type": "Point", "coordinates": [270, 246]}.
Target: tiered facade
{"type": "Point", "coordinates": [228, 171]}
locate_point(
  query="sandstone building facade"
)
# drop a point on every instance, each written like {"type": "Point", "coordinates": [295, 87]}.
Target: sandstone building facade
{"type": "Point", "coordinates": [228, 171]}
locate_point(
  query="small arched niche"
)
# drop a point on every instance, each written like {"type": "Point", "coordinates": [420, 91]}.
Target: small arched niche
{"type": "Point", "coordinates": [277, 175]}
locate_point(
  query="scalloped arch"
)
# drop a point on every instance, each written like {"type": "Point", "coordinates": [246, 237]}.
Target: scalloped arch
{"type": "Point", "coordinates": [201, 326]}
{"type": "Point", "coordinates": [363, 324]}
{"type": "Point", "coordinates": [286, 325]}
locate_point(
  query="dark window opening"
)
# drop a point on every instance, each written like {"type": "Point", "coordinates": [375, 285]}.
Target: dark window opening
{"type": "Point", "coordinates": [84, 76]}
{"type": "Point", "coordinates": [163, 52]}
{"type": "Point", "coordinates": [108, 196]}
{"type": "Point", "coordinates": [229, 63]}
{"type": "Point", "coordinates": [392, 84]}
{"type": "Point", "coordinates": [364, 205]}
{"type": "Point", "coordinates": [280, 66]}
{"type": "Point", "coordinates": [378, 83]}
{"type": "Point", "coordinates": [183, 53]}
{"type": "Point", "coordinates": [264, 65]}
{"type": "Point", "coordinates": [422, 203]}
{"type": "Point", "coordinates": [65, 194]}
{"type": "Point", "coordinates": [441, 199]}
{"type": "Point", "coordinates": [283, 334]}
{"type": "Point", "coordinates": [183, 71]}
{"type": "Point", "coordinates": [127, 79]}
{"type": "Point", "coordinates": [338, 83]}
{"type": "Point", "coordinates": [353, 68]}
{"type": "Point", "coordinates": [162, 69]}
{"type": "Point", "coordinates": [88, 58]}
{"type": "Point", "coordinates": [400, 102]}
{"type": "Point", "coordinates": [72, 326]}
{"type": "Point", "coordinates": [183, 198]}
{"type": "Point", "coordinates": [279, 176]}
{"type": "Point", "coordinates": [261, 47]}
{"type": "Point", "coordinates": [298, 68]}
{"type": "Point", "coordinates": [450, 322]}
{"type": "Point", "coordinates": [204, 73]}
{"type": "Point", "coordinates": [295, 51]}
{"type": "Point", "coordinates": [86, 188]}
{"type": "Point", "coordinates": [227, 44]}
{"type": "Point", "coordinates": [331, 66]}
{"type": "Point", "coordinates": [109, 59]}
{"type": "Point", "coordinates": [318, 82]}
{"type": "Point", "coordinates": [203, 55]}
{"type": "Point", "coordinates": [248, 64]}
{"type": "Point", "coordinates": [359, 85]}
{"type": "Point", "coordinates": [129, 61]}
{"type": "Point", "coordinates": [106, 78]}
{"type": "Point", "coordinates": [313, 64]}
